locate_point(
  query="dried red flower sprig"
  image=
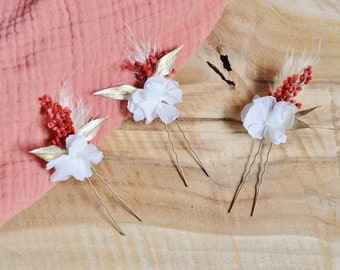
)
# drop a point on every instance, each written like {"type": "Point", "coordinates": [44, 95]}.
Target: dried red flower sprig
{"type": "Point", "coordinates": [291, 87]}
{"type": "Point", "coordinates": [144, 70]}
{"type": "Point", "coordinates": [60, 120]}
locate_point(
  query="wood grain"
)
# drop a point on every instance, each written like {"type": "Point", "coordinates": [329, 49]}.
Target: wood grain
{"type": "Point", "coordinates": [296, 222]}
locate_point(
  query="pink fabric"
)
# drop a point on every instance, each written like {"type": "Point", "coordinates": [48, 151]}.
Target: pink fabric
{"type": "Point", "coordinates": [45, 42]}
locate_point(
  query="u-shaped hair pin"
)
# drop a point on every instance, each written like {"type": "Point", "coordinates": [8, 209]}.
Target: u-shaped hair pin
{"type": "Point", "coordinates": [154, 94]}
{"type": "Point", "coordinates": [71, 154]}
{"type": "Point", "coordinates": [267, 118]}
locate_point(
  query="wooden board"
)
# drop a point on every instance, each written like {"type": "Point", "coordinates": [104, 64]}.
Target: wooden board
{"type": "Point", "coordinates": [296, 222]}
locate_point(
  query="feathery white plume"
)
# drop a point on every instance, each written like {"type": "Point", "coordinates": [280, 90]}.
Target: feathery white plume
{"type": "Point", "coordinates": [80, 115]}
{"type": "Point", "coordinates": [139, 50]}
{"type": "Point", "coordinates": [295, 64]}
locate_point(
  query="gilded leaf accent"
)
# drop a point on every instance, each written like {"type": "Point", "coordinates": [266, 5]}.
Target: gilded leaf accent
{"type": "Point", "coordinates": [122, 92]}
{"type": "Point", "coordinates": [90, 130]}
{"type": "Point", "coordinates": [166, 64]}
{"type": "Point", "coordinates": [49, 153]}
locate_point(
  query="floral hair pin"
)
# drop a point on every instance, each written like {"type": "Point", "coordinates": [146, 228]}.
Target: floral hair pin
{"type": "Point", "coordinates": [71, 154]}
{"type": "Point", "coordinates": [154, 94]}
{"type": "Point", "coordinates": [267, 118]}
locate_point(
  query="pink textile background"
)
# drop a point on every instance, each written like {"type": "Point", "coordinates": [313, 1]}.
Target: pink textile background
{"type": "Point", "coordinates": [43, 43]}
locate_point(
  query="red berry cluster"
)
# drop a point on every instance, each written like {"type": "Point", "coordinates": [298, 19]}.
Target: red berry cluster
{"type": "Point", "coordinates": [60, 121]}
{"type": "Point", "coordinates": [292, 86]}
{"type": "Point", "coordinates": [144, 70]}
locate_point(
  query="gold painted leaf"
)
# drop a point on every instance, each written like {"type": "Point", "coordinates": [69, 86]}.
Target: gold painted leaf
{"type": "Point", "coordinates": [166, 64]}
{"type": "Point", "coordinates": [302, 113]}
{"type": "Point", "coordinates": [49, 153]}
{"type": "Point", "coordinates": [90, 130]}
{"type": "Point", "coordinates": [122, 92]}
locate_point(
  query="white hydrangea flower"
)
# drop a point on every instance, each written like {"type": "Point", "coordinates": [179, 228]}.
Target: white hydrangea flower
{"type": "Point", "coordinates": [156, 99]}
{"type": "Point", "coordinates": [77, 162]}
{"type": "Point", "coordinates": [267, 118]}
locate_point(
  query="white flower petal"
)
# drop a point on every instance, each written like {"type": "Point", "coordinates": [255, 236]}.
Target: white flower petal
{"type": "Point", "coordinates": [149, 109]}
{"type": "Point", "coordinates": [173, 96]}
{"type": "Point", "coordinates": [245, 111]}
{"type": "Point", "coordinates": [155, 80]}
{"type": "Point", "coordinates": [281, 119]}
{"type": "Point", "coordinates": [258, 111]}
{"type": "Point", "coordinates": [91, 153]}
{"type": "Point", "coordinates": [153, 92]}
{"type": "Point", "coordinates": [167, 113]}
{"type": "Point", "coordinates": [80, 168]}
{"type": "Point", "coordinates": [264, 100]}
{"type": "Point", "coordinates": [138, 114]}
{"type": "Point", "coordinates": [96, 157]}
{"type": "Point", "coordinates": [266, 118]}
{"type": "Point", "coordinates": [54, 162]}
{"type": "Point", "coordinates": [283, 114]}
{"type": "Point", "coordinates": [256, 130]}
{"type": "Point", "coordinates": [137, 96]}
{"type": "Point", "coordinates": [131, 105]}
{"type": "Point", "coordinates": [75, 143]}
{"type": "Point", "coordinates": [149, 102]}
{"type": "Point", "coordinates": [275, 135]}
{"type": "Point", "coordinates": [78, 161]}
{"type": "Point", "coordinates": [255, 119]}
{"type": "Point", "coordinates": [134, 101]}
{"type": "Point", "coordinates": [56, 177]}
{"type": "Point", "coordinates": [59, 164]}
{"type": "Point", "coordinates": [70, 140]}
{"type": "Point", "coordinates": [150, 118]}
{"type": "Point", "coordinates": [168, 83]}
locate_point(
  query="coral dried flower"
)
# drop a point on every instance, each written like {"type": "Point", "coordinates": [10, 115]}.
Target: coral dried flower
{"type": "Point", "coordinates": [144, 70]}
{"type": "Point", "coordinates": [60, 121]}
{"type": "Point", "coordinates": [291, 87]}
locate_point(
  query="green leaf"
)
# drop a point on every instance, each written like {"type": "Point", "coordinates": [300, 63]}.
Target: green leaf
{"type": "Point", "coordinates": [122, 92]}
{"type": "Point", "coordinates": [90, 130]}
{"type": "Point", "coordinates": [298, 124]}
{"type": "Point", "coordinates": [49, 153]}
{"type": "Point", "coordinates": [165, 65]}
{"type": "Point", "coordinates": [302, 113]}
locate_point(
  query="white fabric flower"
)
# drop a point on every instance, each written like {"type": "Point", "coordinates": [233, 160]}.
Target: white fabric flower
{"type": "Point", "coordinates": [156, 99]}
{"type": "Point", "coordinates": [266, 118]}
{"type": "Point", "coordinates": [77, 162]}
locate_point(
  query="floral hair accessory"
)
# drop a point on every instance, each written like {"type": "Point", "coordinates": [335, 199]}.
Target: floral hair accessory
{"type": "Point", "coordinates": [268, 118]}
{"type": "Point", "coordinates": [156, 99]}
{"type": "Point", "coordinates": [71, 154]}
{"type": "Point", "coordinates": [154, 95]}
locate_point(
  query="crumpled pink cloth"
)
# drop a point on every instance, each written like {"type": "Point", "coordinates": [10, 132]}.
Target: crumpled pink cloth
{"type": "Point", "coordinates": [43, 43]}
